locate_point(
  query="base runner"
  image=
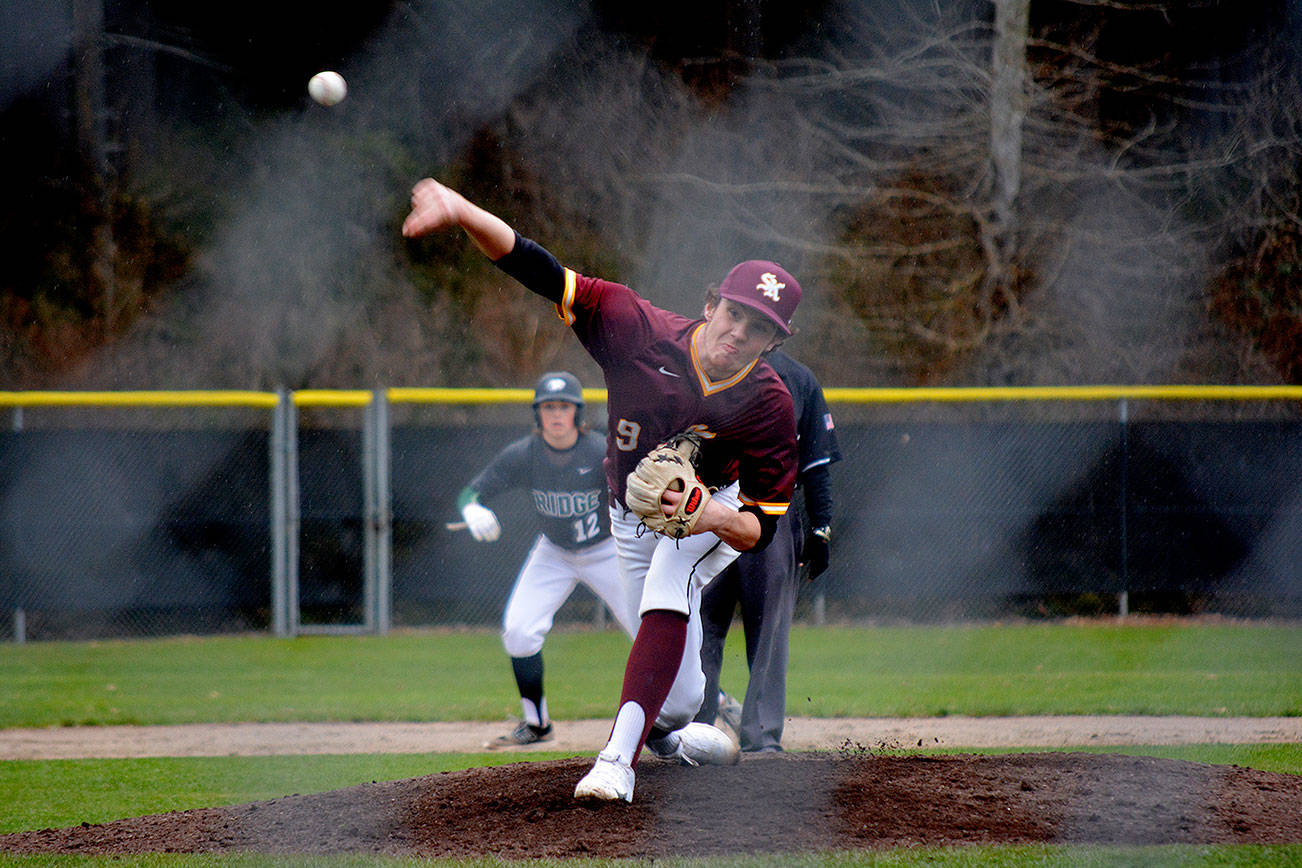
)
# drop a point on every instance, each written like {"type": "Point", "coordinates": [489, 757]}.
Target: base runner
{"type": "Point", "coordinates": [560, 466]}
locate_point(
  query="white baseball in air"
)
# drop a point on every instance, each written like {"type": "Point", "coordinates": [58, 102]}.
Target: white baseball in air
{"type": "Point", "coordinates": [327, 88]}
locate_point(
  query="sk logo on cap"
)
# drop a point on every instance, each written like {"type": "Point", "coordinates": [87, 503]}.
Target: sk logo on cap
{"type": "Point", "coordinates": [765, 286]}
{"type": "Point", "coordinates": [769, 286]}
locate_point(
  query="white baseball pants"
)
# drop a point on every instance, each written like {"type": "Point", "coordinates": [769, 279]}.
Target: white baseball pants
{"type": "Point", "coordinates": [549, 575]}
{"type": "Point", "coordinates": [665, 573]}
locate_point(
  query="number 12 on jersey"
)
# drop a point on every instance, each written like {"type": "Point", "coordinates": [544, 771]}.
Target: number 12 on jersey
{"type": "Point", "coordinates": [586, 528]}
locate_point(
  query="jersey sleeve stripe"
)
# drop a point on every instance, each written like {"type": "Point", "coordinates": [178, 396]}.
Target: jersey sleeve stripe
{"type": "Point", "coordinates": [767, 507]}
{"type": "Point", "coordinates": [565, 310]}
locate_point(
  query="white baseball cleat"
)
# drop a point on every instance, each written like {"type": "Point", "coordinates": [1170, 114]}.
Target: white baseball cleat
{"type": "Point", "coordinates": [697, 744]}
{"type": "Point", "coordinates": [609, 780]}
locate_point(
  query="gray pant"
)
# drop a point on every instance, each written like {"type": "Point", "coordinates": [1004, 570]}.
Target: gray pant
{"type": "Point", "coordinates": [764, 585]}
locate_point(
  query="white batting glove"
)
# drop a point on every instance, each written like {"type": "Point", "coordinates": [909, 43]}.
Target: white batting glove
{"type": "Point", "coordinates": [481, 522]}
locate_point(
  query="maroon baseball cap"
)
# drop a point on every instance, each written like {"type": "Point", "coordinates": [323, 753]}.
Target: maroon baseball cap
{"type": "Point", "coordinates": [765, 286]}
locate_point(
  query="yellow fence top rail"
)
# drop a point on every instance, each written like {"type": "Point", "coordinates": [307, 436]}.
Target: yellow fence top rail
{"type": "Point", "coordinates": [332, 398]}
{"type": "Point", "coordinates": [160, 398]}
{"type": "Point", "coordinates": [1061, 393]}
{"type": "Point", "coordinates": [442, 395]}
{"type": "Point", "coordinates": [417, 395]}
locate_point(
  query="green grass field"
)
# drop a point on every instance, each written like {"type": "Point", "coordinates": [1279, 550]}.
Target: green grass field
{"type": "Point", "coordinates": [1086, 668]}
{"type": "Point", "coordinates": [1172, 667]}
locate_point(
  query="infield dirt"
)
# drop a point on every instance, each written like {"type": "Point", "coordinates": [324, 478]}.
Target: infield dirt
{"type": "Point", "coordinates": [588, 736]}
{"type": "Point", "coordinates": [767, 803]}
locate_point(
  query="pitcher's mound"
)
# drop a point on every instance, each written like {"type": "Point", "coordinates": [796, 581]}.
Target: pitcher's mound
{"type": "Point", "coordinates": [770, 803]}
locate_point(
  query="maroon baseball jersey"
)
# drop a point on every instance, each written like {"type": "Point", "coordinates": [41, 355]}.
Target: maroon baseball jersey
{"type": "Point", "coordinates": [657, 389]}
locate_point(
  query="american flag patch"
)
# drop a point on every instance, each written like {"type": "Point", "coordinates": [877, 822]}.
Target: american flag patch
{"type": "Point", "coordinates": [827, 421]}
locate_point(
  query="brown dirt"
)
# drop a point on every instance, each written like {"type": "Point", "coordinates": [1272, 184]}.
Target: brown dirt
{"type": "Point", "coordinates": [848, 799]}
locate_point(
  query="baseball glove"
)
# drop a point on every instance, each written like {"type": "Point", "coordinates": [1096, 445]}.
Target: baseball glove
{"type": "Point", "coordinates": [671, 466]}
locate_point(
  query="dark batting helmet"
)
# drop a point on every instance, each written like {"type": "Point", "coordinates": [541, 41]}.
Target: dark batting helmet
{"type": "Point", "coordinates": [559, 386]}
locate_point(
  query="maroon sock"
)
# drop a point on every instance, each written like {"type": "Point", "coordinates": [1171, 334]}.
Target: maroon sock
{"type": "Point", "coordinates": [653, 664]}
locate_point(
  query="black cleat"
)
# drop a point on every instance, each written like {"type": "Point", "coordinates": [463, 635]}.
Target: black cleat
{"type": "Point", "coordinates": [525, 733]}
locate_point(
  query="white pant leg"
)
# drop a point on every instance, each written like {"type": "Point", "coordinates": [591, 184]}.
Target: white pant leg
{"type": "Point", "coordinates": [671, 574]}
{"type": "Point", "coordinates": [543, 585]}
{"type": "Point", "coordinates": [598, 568]}
{"type": "Point", "coordinates": [661, 570]}
{"type": "Point", "coordinates": [634, 554]}
{"type": "Point", "coordinates": [688, 690]}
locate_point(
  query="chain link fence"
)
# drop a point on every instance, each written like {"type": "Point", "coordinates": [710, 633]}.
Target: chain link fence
{"type": "Point", "coordinates": [135, 514]}
{"type": "Point", "coordinates": [322, 512]}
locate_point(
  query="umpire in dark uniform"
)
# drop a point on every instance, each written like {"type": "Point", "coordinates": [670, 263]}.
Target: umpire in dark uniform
{"type": "Point", "coordinates": [765, 583]}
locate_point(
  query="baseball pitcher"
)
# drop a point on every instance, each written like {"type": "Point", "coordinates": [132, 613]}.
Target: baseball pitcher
{"type": "Point", "coordinates": [700, 462]}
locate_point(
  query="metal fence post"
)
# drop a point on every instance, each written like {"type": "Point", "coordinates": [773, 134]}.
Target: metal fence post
{"type": "Point", "coordinates": [1123, 598]}
{"type": "Point", "coordinates": [292, 512]}
{"type": "Point", "coordinates": [279, 535]}
{"type": "Point", "coordinates": [284, 515]}
{"type": "Point", "coordinates": [368, 518]}
{"type": "Point", "coordinates": [20, 616]}
{"type": "Point", "coordinates": [378, 578]}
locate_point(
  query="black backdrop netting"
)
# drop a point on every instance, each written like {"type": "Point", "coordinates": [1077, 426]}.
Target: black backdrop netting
{"type": "Point", "coordinates": [149, 532]}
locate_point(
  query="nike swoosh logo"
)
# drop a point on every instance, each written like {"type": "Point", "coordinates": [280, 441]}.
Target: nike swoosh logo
{"type": "Point", "coordinates": [583, 470]}
{"type": "Point", "coordinates": [669, 373]}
